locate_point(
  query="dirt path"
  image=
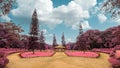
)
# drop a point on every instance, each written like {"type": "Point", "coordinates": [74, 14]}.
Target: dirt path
{"type": "Point", "coordinates": [59, 60]}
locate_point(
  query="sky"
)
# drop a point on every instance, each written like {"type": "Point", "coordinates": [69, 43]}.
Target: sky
{"type": "Point", "coordinates": [58, 16]}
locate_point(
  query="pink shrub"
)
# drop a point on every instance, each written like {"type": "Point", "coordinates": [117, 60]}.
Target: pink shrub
{"type": "Point", "coordinates": [36, 54]}
{"type": "Point", "coordinates": [104, 50]}
{"type": "Point", "coordinates": [83, 54]}
{"type": "Point", "coordinates": [2, 54]}
{"type": "Point", "coordinates": [3, 62]}
{"type": "Point", "coordinates": [117, 55]}
{"type": "Point", "coordinates": [115, 62]}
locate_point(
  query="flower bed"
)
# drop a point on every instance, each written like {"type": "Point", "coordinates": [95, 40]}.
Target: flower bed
{"type": "Point", "coordinates": [103, 50]}
{"type": "Point", "coordinates": [10, 51]}
{"type": "Point", "coordinates": [36, 54]}
{"type": "Point", "coordinates": [82, 54]}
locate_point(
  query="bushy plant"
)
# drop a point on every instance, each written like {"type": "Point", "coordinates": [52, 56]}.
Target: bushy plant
{"type": "Point", "coordinates": [3, 60]}
{"type": "Point", "coordinates": [99, 39]}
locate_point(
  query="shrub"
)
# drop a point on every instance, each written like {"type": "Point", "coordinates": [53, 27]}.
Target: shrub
{"type": "Point", "coordinates": [2, 54]}
{"type": "Point", "coordinates": [3, 59]}
{"type": "Point", "coordinates": [114, 62]}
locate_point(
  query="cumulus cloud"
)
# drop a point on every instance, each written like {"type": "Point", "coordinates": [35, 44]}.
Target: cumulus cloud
{"type": "Point", "coordinates": [69, 14]}
{"type": "Point", "coordinates": [102, 18]}
{"type": "Point", "coordinates": [86, 4]}
{"type": "Point", "coordinates": [44, 31]}
{"type": "Point", "coordinates": [69, 40]}
{"type": "Point", "coordinates": [116, 20]}
{"type": "Point", "coordinates": [5, 18]}
{"type": "Point", "coordinates": [85, 25]}
{"type": "Point", "coordinates": [26, 8]}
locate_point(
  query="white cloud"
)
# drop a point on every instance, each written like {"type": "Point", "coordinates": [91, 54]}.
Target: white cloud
{"type": "Point", "coordinates": [116, 20]}
{"type": "Point", "coordinates": [44, 31]}
{"type": "Point", "coordinates": [69, 14]}
{"type": "Point", "coordinates": [5, 18]}
{"type": "Point", "coordinates": [85, 25]}
{"type": "Point", "coordinates": [102, 18]}
{"type": "Point", "coordinates": [69, 40]}
{"type": "Point", "coordinates": [86, 4]}
{"type": "Point", "coordinates": [26, 8]}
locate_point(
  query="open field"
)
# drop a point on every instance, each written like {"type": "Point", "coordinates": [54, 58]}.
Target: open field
{"type": "Point", "coordinates": [59, 60]}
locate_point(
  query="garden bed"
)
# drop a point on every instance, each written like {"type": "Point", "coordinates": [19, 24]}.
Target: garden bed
{"type": "Point", "coordinates": [37, 54]}
{"type": "Point", "coordinates": [103, 50]}
{"type": "Point", "coordinates": [82, 54]}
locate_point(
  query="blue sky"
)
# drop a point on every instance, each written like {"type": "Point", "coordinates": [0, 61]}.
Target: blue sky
{"type": "Point", "coordinates": [57, 16]}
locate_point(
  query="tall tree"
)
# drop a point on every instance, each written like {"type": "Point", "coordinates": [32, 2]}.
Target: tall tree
{"type": "Point", "coordinates": [54, 40]}
{"type": "Point", "coordinates": [80, 29]}
{"type": "Point", "coordinates": [80, 43]}
{"type": "Point", "coordinates": [33, 31]}
{"type": "Point", "coordinates": [63, 39]}
{"type": "Point", "coordinates": [42, 41]}
{"type": "Point", "coordinates": [113, 7]}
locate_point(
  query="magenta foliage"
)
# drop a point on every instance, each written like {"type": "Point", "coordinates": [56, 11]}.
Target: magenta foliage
{"type": "Point", "coordinates": [99, 39]}
{"type": "Point", "coordinates": [115, 62]}
{"type": "Point", "coordinates": [70, 45]}
{"type": "Point", "coordinates": [3, 59]}
{"type": "Point", "coordinates": [3, 53]}
{"type": "Point", "coordinates": [115, 59]}
{"type": "Point", "coordinates": [104, 50]}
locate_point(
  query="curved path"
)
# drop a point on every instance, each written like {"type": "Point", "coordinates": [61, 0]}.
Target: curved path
{"type": "Point", "coordinates": [59, 60]}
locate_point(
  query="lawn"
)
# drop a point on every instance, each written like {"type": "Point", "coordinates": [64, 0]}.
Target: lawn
{"type": "Point", "coordinates": [59, 60]}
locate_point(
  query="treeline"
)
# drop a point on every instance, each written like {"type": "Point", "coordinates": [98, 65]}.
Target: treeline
{"type": "Point", "coordinates": [90, 39]}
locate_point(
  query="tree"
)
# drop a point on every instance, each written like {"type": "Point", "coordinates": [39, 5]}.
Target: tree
{"type": "Point", "coordinates": [54, 40]}
{"type": "Point", "coordinates": [63, 40]}
{"type": "Point", "coordinates": [80, 43]}
{"type": "Point", "coordinates": [6, 6]}
{"type": "Point", "coordinates": [42, 41]}
{"type": "Point", "coordinates": [88, 40]}
{"type": "Point", "coordinates": [113, 7]}
{"type": "Point", "coordinates": [33, 31]}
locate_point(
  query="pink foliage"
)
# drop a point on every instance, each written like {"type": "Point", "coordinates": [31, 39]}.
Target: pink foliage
{"type": "Point", "coordinates": [11, 51]}
{"type": "Point", "coordinates": [36, 54]}
{"type": "Point", "coordinates": [82, 54]}
{"type": "Point", "coordinates": [1, 63]}
{"type": "Point", "coordinates": [3, 53]}
{"type": "Point", "coordinates": [115, 62]}
{"type": "Point", "coordinates": [104, 50]}
{"type": "Point", "coordinates": [3, 59]}
{"type": "Point", "coordinates": [115, 59]}
{"type": "Point", "coordinates": [117, 55]}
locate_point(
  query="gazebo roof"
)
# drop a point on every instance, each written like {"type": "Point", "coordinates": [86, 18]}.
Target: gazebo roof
{"type": "Point", "coordinates": [60, 46]}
